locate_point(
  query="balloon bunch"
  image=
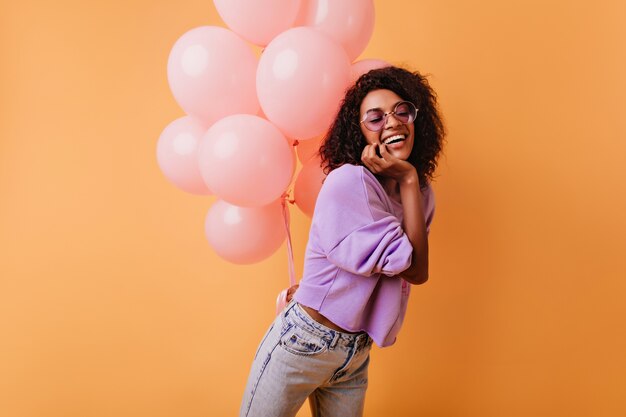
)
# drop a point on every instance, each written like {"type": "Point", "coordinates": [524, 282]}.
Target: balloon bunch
{"type": "Point", "coordinates": [244, 114]}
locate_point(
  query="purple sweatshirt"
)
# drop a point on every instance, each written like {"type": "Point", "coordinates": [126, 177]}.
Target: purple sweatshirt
{"type": "Point", "coordinates": [356, 249]}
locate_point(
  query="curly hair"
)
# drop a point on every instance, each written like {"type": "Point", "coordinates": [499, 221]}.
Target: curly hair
{"type": "Point", "coordinates": [344, 142]}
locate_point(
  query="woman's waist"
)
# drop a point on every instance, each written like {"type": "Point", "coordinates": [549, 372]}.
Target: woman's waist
{"type": "Point", "coordinates": [351, 305]}
{"type": "Point", "coordinates": [323, 320]}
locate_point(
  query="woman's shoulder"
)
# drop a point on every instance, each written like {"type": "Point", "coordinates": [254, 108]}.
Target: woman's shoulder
{"type": "Point", "coordinates": [353, 182]}
{"type": "Point", "coordinates": [350, 175]}
{"type": "Point", "coordinates": [347, 170]}
{"type": "Point", "coordinates": [342, 181]}
{"type": "Point", "coordinates": [351, 193]}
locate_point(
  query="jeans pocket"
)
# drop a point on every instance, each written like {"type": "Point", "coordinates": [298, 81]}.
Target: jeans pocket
{"type": "Point", "coordinates": [300, 342]}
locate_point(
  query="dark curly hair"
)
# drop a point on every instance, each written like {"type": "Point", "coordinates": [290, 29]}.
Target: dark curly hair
{"type": "Point", "coordinates": [344, 142]}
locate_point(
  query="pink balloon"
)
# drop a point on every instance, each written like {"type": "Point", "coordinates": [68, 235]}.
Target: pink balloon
{"type": "Point", "coordinates": [301, 79]}
{"type": "Point", "coordinates": [258, 21]}
{"type": "Point", "coordinates": [245, 235]}
{"type": "Point", "coordinates": [308, 185]}
{"type": "Point", "coordinates": [349, 22]}
{"type": "Point", "coordinates": [177, 154]}
{"type": "Point", "coordinates": [246, 160]}
{"type": "Point", "coordinates": [308, 149]}
{"type": "Point", "coordinates": [364, 66]}
{"type": "Point", "coordinates": [211, 72]}
{"type": "Point", "coordinates": [289, 140]}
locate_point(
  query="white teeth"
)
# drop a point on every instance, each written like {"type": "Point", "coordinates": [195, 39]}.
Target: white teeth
{"type": "Point", "coordinates": [392, 138]}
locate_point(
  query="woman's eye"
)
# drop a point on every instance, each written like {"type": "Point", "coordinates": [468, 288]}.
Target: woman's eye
{"type": "Point", "coordinates": [402, 108]}
{"type": "Point", "coordinates": [375, 119]}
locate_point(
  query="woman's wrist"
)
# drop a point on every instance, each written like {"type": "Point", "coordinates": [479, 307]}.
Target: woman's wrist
{"type": "Point", "coordinates": [409, 178]}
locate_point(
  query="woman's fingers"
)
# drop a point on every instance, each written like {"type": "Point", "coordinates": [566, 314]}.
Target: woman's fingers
{"type": "Point", "coordinates": [383, 163]}
{"type": "Point", "coordinates": [291, 291]}
{"type": "Point", "coordinates": [387, 156]}
{"type": "Point", "coordinates": [370, 159]}
{"type": "Point", "coordinates": [384, 152]}
{"type": "Point", "coordinates": [365, 153]}
{"type": "Point", "coordinates": [375, 162]}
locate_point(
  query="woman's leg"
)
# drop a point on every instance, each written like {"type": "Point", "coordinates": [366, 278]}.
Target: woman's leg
{"type": "Point", "coordinates": [270, 390]}
{"type": "Point", "coordinates": [291, 362]}
{"type": "Point", "coordinates": [344, 394]}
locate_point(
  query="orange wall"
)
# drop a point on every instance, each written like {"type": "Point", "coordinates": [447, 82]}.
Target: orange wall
{"type": "Point", "coordinates": [113, 305]}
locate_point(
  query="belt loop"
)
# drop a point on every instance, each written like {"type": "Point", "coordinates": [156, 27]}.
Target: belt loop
{"type": "Point", "coordinates": [333, 342]}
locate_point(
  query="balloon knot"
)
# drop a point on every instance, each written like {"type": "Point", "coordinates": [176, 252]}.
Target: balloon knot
{"type": "Point", "coordinates": [287, 197]}
{"type": "Point", "coordinates": [296, 142]}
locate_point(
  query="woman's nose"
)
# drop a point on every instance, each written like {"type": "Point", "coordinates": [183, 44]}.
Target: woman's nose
{"type": "Point", "coordinates": [391, 120]}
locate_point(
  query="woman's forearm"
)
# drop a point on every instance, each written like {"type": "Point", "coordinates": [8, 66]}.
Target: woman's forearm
{"type": "Point", "coordinates": [415, 229]}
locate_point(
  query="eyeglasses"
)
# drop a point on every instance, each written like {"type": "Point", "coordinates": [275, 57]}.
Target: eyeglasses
{"type": "Point", "coordinates": [375, 119]}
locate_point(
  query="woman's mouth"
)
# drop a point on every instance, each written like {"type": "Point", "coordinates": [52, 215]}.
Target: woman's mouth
{"type": "Point", "coordinates": [394, 139]}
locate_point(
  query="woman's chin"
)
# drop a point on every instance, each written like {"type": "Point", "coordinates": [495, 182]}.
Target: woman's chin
{"type": "Point", "coordinates": [400, 154]}
{"type": "Point", "coordinates": [400, 150]}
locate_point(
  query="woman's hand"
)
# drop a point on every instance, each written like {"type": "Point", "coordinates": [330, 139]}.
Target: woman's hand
{"type": "Point", "coordinates": [291, 291]}
{"type": "Point", "coordinates": [386, 164]}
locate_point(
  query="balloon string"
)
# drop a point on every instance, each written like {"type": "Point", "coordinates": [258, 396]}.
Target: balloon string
{"type": "Point", "coordinates": [292, 271]}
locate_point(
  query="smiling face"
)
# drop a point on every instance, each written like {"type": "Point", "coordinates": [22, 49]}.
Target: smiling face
{"type": "Point", "coordinates": [396, 135]}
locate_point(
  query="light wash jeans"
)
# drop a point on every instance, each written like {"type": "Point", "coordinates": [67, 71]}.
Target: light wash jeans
{"type": "Point", "coordinates": [297, 358]}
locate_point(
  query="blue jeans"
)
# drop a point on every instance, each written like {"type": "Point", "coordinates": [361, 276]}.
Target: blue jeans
{"type": "Point", "coordinates": [299, 358]}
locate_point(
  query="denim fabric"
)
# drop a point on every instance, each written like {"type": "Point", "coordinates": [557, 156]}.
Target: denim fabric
{"type": "Point", "coordinates": [297, 358]}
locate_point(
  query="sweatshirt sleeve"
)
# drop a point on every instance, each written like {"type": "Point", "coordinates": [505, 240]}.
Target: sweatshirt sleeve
{"type": "Point", "coordinates": [356, 229]}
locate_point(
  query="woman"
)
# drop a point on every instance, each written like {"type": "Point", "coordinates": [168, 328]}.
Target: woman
{"type": "Point", "coordinates": [368, 242]}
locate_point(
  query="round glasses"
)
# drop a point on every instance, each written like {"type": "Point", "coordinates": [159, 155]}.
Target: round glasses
{"type": "Point", "coordinates": [375, 119]}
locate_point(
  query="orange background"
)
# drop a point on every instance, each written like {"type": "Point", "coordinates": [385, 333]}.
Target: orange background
{"type": "Point", "coordinates": [112, 304]}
